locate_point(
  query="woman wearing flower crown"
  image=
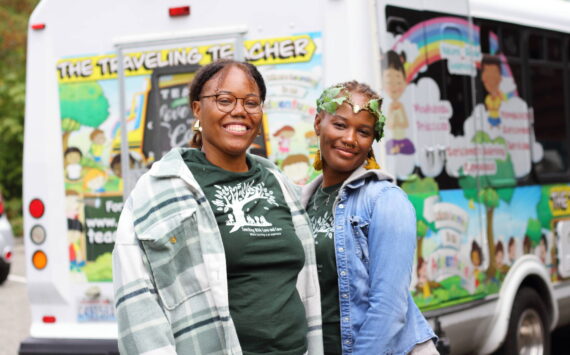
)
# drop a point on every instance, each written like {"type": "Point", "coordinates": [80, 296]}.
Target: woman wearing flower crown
{"type": "Point", "coordinates": [364, 229]}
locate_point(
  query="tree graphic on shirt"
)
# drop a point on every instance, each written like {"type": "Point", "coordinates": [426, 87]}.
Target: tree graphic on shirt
{"type": "Point", "coordinates": [322, 224]}
{"type": "Point", "coordinates": [235, 198]}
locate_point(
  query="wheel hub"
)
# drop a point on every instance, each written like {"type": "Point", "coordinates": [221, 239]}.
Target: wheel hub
{"type": "Point", "coordinates": [530, 336]}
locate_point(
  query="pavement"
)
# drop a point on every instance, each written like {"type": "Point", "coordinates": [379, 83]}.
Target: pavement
{"type": "Point", "coordinates": [14, 304]}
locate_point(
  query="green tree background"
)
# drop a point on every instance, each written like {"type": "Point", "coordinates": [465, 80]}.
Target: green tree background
{"type": "Point", "coordinates": [14, 15]}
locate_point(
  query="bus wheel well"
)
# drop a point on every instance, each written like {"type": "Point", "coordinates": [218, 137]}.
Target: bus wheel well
{"type": "Point", "coordinates": [537, 283]}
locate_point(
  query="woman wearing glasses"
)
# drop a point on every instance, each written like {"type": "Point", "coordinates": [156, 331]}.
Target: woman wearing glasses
{"type": "Point", "coordinates": [365, 236]}
{"type": "Point", "coordinates": [214, 253]}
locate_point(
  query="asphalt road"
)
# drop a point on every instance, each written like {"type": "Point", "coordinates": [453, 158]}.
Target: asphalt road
{"type": "Point", "coordinates": [15, 312]}
{"type": "Point", "coordinates": [14, 305]}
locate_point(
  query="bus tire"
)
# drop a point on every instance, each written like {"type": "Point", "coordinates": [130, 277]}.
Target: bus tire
{"type": "Point", "coordinates": [528, 331]}
{"type": "Point", "coordinates": [4, 271]}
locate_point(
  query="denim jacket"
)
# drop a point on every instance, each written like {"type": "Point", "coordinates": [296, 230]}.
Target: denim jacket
{"type": "Point", "coordinates": [375, 240]}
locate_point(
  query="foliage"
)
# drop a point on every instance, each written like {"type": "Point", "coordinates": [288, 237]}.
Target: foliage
{"type": "Point", "coordinates": [422, 228]}
{"type": "Point", "coordinates": [84, 103]}
{"type": "Point", "coordinates": [489, 198]}
{"type": "Point", "coordinates": [418, 190]}
{"type": "Point", "coordinates": [14, 16]}
{"type": "Point", "coordinates": [100, 270]}
{"type": "Point", "coordinates": [543, 209]}
{"type": "Point", "coordinates": [534, 230]}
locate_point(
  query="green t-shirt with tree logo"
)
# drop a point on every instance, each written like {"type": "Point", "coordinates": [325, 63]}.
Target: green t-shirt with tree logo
{"type": "Point", "coordinates": [263, 255]}
{"type": "Point", "coordinates": [321, 215]}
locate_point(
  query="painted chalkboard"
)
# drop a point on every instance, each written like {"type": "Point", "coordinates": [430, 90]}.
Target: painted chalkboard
{"type": "Point", "coordinates": [168, 116]}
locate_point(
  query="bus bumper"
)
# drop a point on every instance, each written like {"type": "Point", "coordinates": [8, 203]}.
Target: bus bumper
{"type": "Point", "coordinates": [68, 346]}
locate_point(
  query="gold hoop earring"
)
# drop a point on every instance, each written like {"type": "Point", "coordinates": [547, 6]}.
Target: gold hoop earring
{"type": "Point", "coordinates": [318, 163]}
{"type": "Point", "coordinates": [371, 162]}
{"type": "Point", "coordinates": [197, 127]}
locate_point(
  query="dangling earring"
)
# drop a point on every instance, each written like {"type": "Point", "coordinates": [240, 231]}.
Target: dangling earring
{"type": "Point", "coordinates": [371, 161]}
{"type": "Point", "coordinates": [196, 127]}
{"type": "Point", "coordinates": [318, 163]}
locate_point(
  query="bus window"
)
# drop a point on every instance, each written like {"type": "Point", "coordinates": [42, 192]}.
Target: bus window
{"type": "Point", "coordinates": [510, 42]}
{"type": "Point", "coordinates": [486, 31]}
{"type": "Point", "coordinates": [535, 47]}
{"type": "Point", "coordinates": [550, 127]}
{"type": "Point", "coordinates": [554, 49]}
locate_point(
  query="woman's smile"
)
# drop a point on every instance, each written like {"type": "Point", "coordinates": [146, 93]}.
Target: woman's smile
{"type": "Point", "coordinates": [238, 129]}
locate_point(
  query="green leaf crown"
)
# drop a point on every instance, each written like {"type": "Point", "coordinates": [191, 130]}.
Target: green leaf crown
{"type": "Point", "coordinates": [334, 96]}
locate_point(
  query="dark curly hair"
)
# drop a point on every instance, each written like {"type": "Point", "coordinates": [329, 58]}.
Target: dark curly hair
{"type": "Point", "coordinates": [207, 72]}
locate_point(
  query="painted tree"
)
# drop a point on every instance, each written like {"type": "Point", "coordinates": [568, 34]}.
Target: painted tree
{"type": "Point", "coordinates": [421, 231]}
{"type": "Point", "coordinates": [418, 190]}
{"type": "Point", "coordinates": [490, 190]}
{"type": "Point", "coordinates": [235, 198]}
{"type": "Point", "coordinates": [543, 209]}
{"type": "Point", "coordinates": [81, 104]}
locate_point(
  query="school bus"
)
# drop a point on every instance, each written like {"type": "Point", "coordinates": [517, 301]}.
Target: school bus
{"type": "Point", "coordinates": [476, 95]}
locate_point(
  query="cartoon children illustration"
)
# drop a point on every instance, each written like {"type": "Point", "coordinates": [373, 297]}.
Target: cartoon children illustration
{"type": "Point", "coordinates": [477, 260]}
{"type": "Point", "coordinates": [72, 163]}
{"type": "Point", "coordinates": [526, 244]}
{"type": "Point", "coordinates": [312, 143]}
{"type": "Point", "coordinates": [512, 247]}
{"type": "Point", "coordinates": [424, 285]}
{"type": "Point", "coordinates": [94, 180]}
{"type": "Point", "coordinates": [491, 78]}
{"type": "Point", "coordinates": [296, 167]}
{"type": "Point", "coordinates": [284, 135]}
{"type": "Point", "coordinates": [502, 268]}
{"type": "Point", "coordinates": [541, 248]}
{"type": "Point", "coordinates": [394, 78]}
{"type": "Point", "coordinates": [76, 244]}
{"type": "Point", "coordinates": [97, 144]}
{"type": "Point", "coordinates": [72, 204]}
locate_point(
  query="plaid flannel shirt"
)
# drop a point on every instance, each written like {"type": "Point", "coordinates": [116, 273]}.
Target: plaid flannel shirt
{"type": "Point", "coordinates": [169, 267]}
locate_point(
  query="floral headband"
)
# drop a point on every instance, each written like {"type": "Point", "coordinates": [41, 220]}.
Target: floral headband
{"type": "Point", "coordinates": [334, 96]}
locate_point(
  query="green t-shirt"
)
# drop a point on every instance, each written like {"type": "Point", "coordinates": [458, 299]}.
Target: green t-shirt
{"type": "Point", "coordinates": [321, 214]}
{"type": "Point", "coordinates": [263, 255]}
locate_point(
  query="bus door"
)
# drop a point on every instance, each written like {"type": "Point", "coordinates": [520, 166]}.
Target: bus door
{"type": "Point", "coordinates": [154, 74]}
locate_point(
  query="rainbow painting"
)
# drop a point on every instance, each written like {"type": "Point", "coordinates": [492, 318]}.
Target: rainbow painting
{"type": "Point", "coordinates": [429, 35]}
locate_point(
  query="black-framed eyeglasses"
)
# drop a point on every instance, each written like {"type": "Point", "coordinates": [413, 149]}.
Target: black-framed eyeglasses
{"type": "Point", "coordinates": [227, 102]}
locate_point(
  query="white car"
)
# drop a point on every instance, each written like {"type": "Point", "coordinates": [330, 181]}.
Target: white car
{"type": "Point", "coordinates": [6, 243]}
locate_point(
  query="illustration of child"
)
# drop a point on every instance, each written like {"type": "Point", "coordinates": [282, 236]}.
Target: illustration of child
{"type": "Point", "coordinates": [94, 180]}
{"type": "Point", "coordinates": [394, 81]}
{"type": "Point", "coordinates": [312, 143]}
{"type": "Point", "coordinates": [76, 244]}
{"type": "Point", "coordinates": [424, 284]}
{"type": "Point", "coordinates": [296, 167]}
{"type": "Point", "coordinates": [502, 268]}
{"type": "Point", "coordinates": [526, 244]}
{"type": "Point", "coordinates": [541, 249]}
{"type": "Point", "coordinates": [477, 260]}
{"type": "Point", "coordinates": [284, 134]}
{"type": "Point", "coordinates": [72, 163]}
{"type": "Point", "coordinates": [97, 144]}
{"type": "Point", "coordinates": [491, 78]}
{"type": "Point", "coordinates": [512, 250]}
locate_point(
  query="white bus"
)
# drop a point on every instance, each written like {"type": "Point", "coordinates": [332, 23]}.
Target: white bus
{"type": "Point", "coordinates": [477, 96]}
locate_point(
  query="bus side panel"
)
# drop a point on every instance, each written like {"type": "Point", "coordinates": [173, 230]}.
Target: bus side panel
{"type": "Point", "coordinates": [460, 139]}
